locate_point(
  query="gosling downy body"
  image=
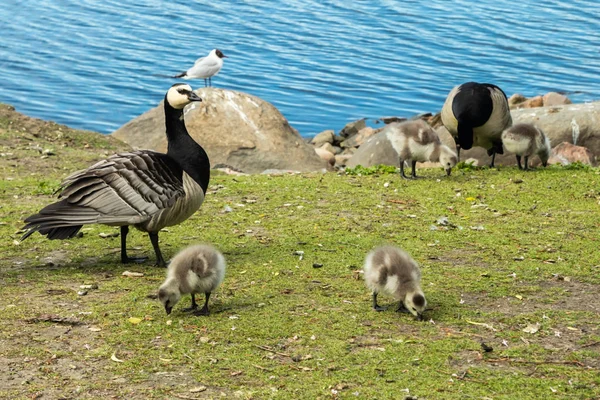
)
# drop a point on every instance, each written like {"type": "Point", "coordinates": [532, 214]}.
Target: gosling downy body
{"type": "Point", "coordinates": [391, 270]}
{"type": "Point", "coordinates": [476, 114]}
{"type": "Point", "coordinates": [205, 67]}
{"type": "Point", "coordinates": [526, 140]}
{"type": "Point", "coordinates": [144, 189]}
{"type": "Point", "coordinates": [416, 141]}
{"type": "Point", "coordinates": [196, 269]}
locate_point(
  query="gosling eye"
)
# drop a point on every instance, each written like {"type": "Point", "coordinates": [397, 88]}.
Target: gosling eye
{"type": "Point", "coordinates": [414, 309]}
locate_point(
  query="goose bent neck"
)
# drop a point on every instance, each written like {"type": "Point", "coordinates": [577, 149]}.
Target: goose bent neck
{"type": "Point", "coordinates": [183, 149]}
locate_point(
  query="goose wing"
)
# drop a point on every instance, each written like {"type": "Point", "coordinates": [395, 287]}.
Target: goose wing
{"type": "Point", "coordinates": [124, 189]}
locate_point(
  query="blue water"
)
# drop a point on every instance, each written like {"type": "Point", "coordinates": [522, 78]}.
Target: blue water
{"type": "Point", "coordinates": [92, 64]}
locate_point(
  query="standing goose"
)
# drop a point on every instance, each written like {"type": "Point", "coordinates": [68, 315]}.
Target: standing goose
{"type": "Point", "coordinates": [476, 114]}
{"type": "Point", "coordinates": [142, 188]}
{"type": "Point", "coordinates": [527, 140]}
{"type": "Point", "coordinates": [205, 67]}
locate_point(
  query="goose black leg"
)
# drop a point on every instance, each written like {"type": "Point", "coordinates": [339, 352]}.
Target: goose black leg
{"type": "Point", "coordinates": [457, 152]}
{"type": "Point", "coordinates": [519, 162]}
{"type": "Point", "coordinates": [210, 82]}
{"type": "Point", "coordinates": [402, 174]}
{"type": "Point", "coordinates": [402, 308]}
{"type": "Point", "coordinates": [205, 82]}
{"type": "Point", "coordinates": [375, 306]}
{"type": "Point", "coordinates": [414, 170]}
{"type": "Point", "coordinates": [493, 159]}
{"type": "Point", "coordinates": [204, 309]}
{"type": "Point", "coordinates": [124, 258]}
{"type": "Point", "coordinates": [160, 262]}
{"type": "Point", "coordinates": [194, 305]}
{"type": "Point", "coordinates": [526, 163]}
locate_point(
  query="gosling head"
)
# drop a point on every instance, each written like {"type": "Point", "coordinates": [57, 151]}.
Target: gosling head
{"type": "Point", "coordinates": [169, 295]}
{"type": "Point", "coordinates": [180, 95]}
{"type": "Point", "coordinates": [448, 159]}
{"type": "Point", "coordinates": [415, 303]}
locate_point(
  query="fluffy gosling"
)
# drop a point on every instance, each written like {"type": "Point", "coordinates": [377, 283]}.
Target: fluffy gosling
{"type": "Point", "coordinates": [416, 141]}
{"type": "Point", "coordinates": [526, 140]}
{"type": "Point", "coordinates": [196, 269]}
{"type": "Point", "coordinates": [391, 270]}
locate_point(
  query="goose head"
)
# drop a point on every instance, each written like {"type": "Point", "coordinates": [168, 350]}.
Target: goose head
{"type": "Point", "coordinates": [180, 95]}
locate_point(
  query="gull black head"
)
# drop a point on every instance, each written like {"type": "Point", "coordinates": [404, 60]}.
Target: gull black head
{"type": "Point", "coordinates": [180, 95]}
{"type": "Point", "coordinates": [220, 54]}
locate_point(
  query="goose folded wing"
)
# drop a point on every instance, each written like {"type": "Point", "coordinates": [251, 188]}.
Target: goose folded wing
{"type": "Point", "coordinates": [126, 188]}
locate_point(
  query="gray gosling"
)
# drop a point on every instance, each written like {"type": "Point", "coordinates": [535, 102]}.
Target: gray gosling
{"type": "Point", "coordinates": [417, 141]}
{"type": "Point", "coordinates": [526, 140]}
{"type": "Point", "coordinates": [475, 114]}
{"type": "Point", "coordinates": [391, 270]}
{"type": "Point", "coordinates": [196, 269]}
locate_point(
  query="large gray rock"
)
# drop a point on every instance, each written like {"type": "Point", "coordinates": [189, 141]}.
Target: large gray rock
{"type": "Point", "coordinates": [578, 124]}
{"type": "Point", "coordinates": [235, 129]}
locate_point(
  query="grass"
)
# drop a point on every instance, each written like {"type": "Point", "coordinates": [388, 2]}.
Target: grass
{"type": "Point", "coordinates": [516, 249]}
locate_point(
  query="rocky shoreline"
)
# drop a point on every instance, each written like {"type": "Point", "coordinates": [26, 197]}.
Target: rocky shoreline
{"type": "Point", "coordinates": [358, 144]}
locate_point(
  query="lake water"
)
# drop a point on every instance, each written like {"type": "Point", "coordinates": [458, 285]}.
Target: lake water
{"type": "Point", "coordinates": [94, 64]}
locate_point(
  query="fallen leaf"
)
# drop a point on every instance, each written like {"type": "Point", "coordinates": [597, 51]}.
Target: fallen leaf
{"type": "Point", "coordinates": [94, 329]}
{"type": "Point", "coordinates": [532, 328]}
{"type": "Point", "coordinates": [470, 199]}
{"type": "Point", "coordinates": [518, 296]}
{"type": "Point", "coordinates": [236, 373]}
{"type": "Point", "coordinates": [114, 358]}
{"type": "Point", "coordinates": [135, 320]}
{"type": "Point", "coordinates": [132, 274]}
{"type": "Point", "coordinates": [165, 359]}
{"type": "Point", "coordinates": [198, 389]}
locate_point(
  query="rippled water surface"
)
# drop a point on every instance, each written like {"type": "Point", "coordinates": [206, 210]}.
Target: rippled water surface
{"type": "Point", "coordinates": [97, 64]}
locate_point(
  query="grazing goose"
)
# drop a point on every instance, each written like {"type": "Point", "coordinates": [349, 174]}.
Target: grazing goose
{"type": "Point", "coordinates": [390, 270]}
{"type": "Point", "coordinates": [205, 67]}
{"type": "Point", "coordinates": [142, 188]}
{"type": "Point", "coordinates": [417, 141]}
{"type": "Point", "coordinates": [526, 140]}
{"type": "Point", "coordinates": [196, 269]}
{"type": "Point", "coordinates": [476, 114]}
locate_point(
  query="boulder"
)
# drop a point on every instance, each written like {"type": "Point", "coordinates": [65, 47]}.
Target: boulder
{"type": "Point", "coordinates": [235, 129]}
{"type": "Point", "coordinates": [321, 138]}
{"type": "Point", "coordinates": [359, 138]}
{"type": "Point", "coordinates": [330, 148]}
{"type": "Point", "coordinates": [326, 156]}
{"type": "Point", "coordinates": [342, 159]}
{"type": "Point", "coordinates": [515, 100]}
{"type": "Point", "coordinates": [567, 153]}
{"type": "Point", "coordinates": [352, 128]}
{"type": "Point", "coordinates": [555, 99]}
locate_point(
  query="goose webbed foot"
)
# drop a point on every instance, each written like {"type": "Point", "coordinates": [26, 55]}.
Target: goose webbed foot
{"type": "Point", "coordinates": [377, 307]}
{"type": "Point", "coordinates": [204, 310]}
{"type": "Point", "coordinates": [402, 173]}
{"type": "Point", "coordinates": [160, 261]}
{"type": "Point", "coordinates": [193, 307]}
{"type": "Point", "coordinates": [402, 308]}
{"type": "Point", "coordinates": [133, 260]}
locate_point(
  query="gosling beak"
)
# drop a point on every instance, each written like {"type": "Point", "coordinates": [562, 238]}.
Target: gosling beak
{"type": "Point", "coordinates": [194, 97]}
{"type": "Point", "coordinates": [419, 317]}
{"type": "Point", "coordinates": [168, 310]}
{"type": "Point", "coordinates": [448, 171]}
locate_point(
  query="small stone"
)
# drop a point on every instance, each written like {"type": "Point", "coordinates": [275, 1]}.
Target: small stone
{"type": "Point", "coordinates": [317, 265]}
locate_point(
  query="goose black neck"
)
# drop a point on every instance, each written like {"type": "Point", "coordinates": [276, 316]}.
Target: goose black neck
{"type": "Point", "coordinates": [183, 149]}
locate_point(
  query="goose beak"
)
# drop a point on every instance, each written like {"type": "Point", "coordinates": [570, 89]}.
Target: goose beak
{"type": "Point", "coordinates": [448, 171]}
{"type": "Point", "coordinates": [194, 97]}
{"type": "Point", "coordinates": [168, 310]}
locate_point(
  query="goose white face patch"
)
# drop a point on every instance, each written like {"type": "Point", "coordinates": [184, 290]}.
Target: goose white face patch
{"type": "Point", "coordinates": [176, 99]}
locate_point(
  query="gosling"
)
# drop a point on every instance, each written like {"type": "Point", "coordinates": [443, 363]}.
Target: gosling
{"type": "Point", "coordinates": [391, 270]}
{"type": "Point", "coordinates": [196, 269]}
{"type": "Point", "coordinates": [526, 140]}
{"type": "Point", "coordinates": [416, 141]}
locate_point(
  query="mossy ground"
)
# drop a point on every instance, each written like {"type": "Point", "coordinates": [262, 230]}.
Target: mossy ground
{"type": "Point", "coordinates": [519, 249]}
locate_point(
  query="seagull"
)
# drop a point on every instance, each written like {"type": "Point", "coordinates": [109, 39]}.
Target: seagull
{"type": "Point", "coordinates": [205, 67]}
